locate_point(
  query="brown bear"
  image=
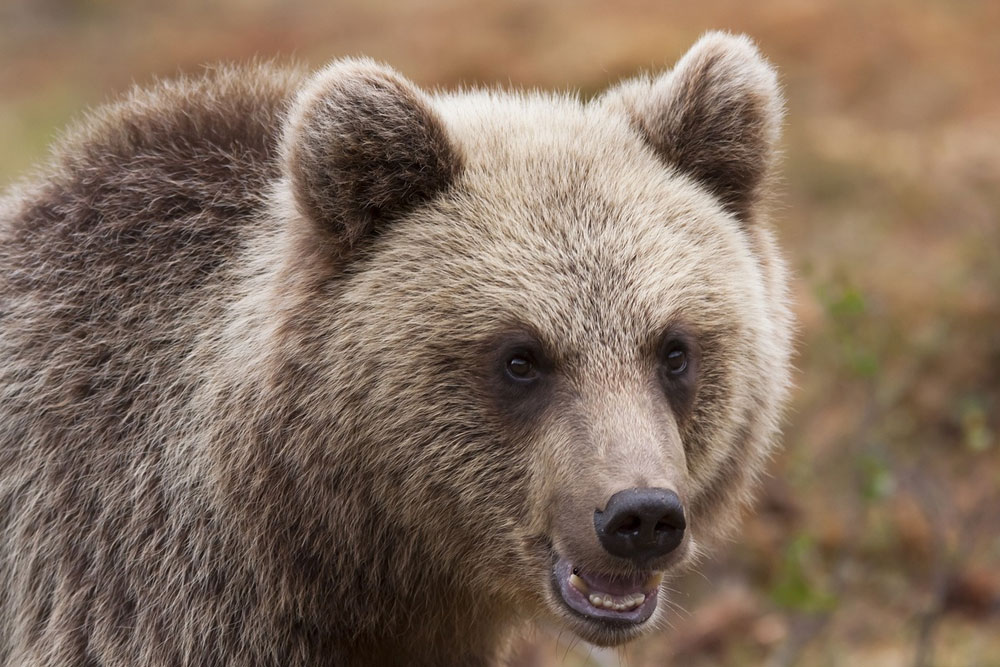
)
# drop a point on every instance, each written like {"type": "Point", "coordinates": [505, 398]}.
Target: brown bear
{"type": "Point", "coordinates": [327, 370]}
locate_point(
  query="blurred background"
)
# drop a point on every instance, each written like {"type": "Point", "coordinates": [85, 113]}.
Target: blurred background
{"type": "Point", "coordinates": [876, 537]}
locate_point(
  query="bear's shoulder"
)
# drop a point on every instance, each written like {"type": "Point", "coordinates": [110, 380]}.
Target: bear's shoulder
{"type": "Point", "coordinates": [169, 172]}
{"type": "Point", "coordinates": [183, 146]}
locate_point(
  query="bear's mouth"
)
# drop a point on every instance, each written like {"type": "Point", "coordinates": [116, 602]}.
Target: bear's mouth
{"type": "Point", "coordinates": [612, 600]}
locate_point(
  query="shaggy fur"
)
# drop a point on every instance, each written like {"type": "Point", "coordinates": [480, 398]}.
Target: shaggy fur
{"type": "Point", "coordinates": [252, 336]}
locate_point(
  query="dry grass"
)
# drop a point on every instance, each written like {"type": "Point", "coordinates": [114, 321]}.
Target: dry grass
{"type": "Point", "coordinates": [876, 539]}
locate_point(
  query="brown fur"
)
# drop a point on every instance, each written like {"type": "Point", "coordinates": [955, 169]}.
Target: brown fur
{"type": "Point", "coordinates": [252, 327]}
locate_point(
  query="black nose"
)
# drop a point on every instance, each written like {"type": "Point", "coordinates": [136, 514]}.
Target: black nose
{"type": "Point", "coordinates": [641, 524]}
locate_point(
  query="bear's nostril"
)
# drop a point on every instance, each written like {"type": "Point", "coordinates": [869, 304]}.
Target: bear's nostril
{"type": "Point", "coordinates": [629, 526]}
{"type": "Point", "coordinates": [641, 524]}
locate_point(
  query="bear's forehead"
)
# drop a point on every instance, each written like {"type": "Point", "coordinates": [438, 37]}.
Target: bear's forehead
{"type": "Point", "coordinates": [582, 276]}
{"type": "Point", "coordinates": [531, 136]}
{"type": "Point", "coordinates": [568, 193]}
{"type": "Point", "coordinates": [564, 221]}
{"type": "Point", "coordinates": [598, 285]}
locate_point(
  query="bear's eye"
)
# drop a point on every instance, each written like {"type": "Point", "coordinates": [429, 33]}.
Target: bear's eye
{"type": "Point", "coordinates": [521, 367]}
{"type": "Point", "coordinates": [676, 360]}
{"type": "Point", "coordinates": [677, 357]}
{"type": "Point", "coordinates": [678, 364]}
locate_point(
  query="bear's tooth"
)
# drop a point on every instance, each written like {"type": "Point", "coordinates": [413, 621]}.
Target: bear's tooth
{"type": "Point", "coordinates": [596, 601]}
{"type": "Point", "coordinates": [579, 584]}
{"type": "Point", "coordinates": [654, 581]}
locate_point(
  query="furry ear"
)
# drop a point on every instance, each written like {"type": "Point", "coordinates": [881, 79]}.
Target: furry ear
{"type": "Point", "coordinates": [362, 145]}
{"type": "Point", "coordinates": [716, 116]}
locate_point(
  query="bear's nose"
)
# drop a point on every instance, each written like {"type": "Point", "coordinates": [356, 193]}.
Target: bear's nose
{"type": "Point", "coordinates": [641, 524]}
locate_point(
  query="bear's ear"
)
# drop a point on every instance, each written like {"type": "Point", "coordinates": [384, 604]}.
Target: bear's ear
{"type": "Point", "coordinates": [361, 146]}
{"type": "Point", "coordinates": [716, 116]}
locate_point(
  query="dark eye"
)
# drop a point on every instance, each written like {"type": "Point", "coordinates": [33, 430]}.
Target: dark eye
{"type": "Point", "coordinates": [521, 367]}
{"type": "Point", "coordinates": [676, 360]}
{"type": "Point", "coordinates": [679, 365]}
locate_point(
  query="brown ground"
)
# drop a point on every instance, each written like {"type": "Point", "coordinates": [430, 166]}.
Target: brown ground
{"type": "Point", "coordinates": [877, 539]}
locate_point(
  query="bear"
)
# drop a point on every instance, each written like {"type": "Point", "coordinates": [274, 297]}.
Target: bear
{"type": "Point", "coordinates": [305, 369]}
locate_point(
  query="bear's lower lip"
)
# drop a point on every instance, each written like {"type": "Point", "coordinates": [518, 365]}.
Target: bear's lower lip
{"type": "Point", "coordinates": [626, 600]}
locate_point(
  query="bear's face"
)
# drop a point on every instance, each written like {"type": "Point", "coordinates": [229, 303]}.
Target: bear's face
{"type": "Point", "coordinates": [562, 324]}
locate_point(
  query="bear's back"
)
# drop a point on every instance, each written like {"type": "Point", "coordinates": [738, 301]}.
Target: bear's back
{"type": "Point", "coordinates": [153, 188]}
{"type": "Point", "coordinates": [113, 260]}
{"type": "Point", "coordinates": [119, 244]}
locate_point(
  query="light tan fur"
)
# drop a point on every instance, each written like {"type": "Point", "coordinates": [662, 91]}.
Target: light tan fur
{"type": "Point", "coordinates": [250, 411]}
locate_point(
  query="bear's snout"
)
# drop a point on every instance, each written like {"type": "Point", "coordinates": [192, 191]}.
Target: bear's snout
{"type": "Point", "coordinates": [641, 524]}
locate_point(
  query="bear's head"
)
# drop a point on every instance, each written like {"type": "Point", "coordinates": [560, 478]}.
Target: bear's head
{"type": "Point", "coordinates": [553, 335]}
